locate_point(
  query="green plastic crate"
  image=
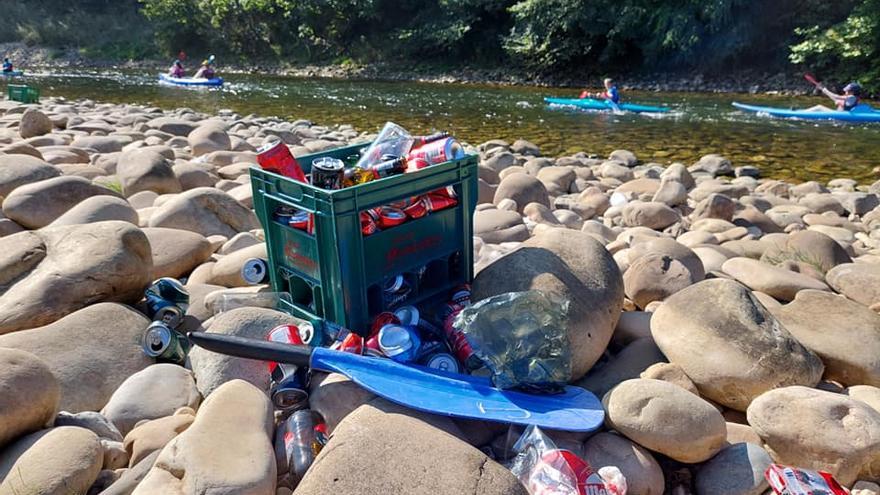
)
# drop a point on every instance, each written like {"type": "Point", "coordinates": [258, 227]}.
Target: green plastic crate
{"type": "Point", "coordinates": [23, 93]}
{"type": "Point", "coordinates": [336, 274]}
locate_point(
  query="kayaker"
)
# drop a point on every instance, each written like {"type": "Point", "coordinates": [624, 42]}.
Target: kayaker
{"type": "Point", "coordinates": [845, 102]}
{"type": "Point", "coordinates": [611, 93]}
{"type": "Point", "coordinates": [206, 71]}
{"type": "Point", "coordinates": [7, 65]}
{"type": "Point", "coordinates": [176, 69]}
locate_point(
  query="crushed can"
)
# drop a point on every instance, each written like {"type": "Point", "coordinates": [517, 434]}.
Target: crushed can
{"type": "Point", "coordinates": [400, 343]}
{"type": "Point", "coordinates": [167, 300]}
{"type": "Point", "coordinates": [275, 156]}
{"type": "Point", "coordinates": [785, 480]}
{"type": "Point", "coordinates": [562, 471]}
{"type": "Point", "coordinates": [410, 315]}
{"type": "Point", "coordinates": [456, 339]}
{"type": "Point", "coordinates": [255, 271]}
{"type": "Point", "coordinates": [164, 344]}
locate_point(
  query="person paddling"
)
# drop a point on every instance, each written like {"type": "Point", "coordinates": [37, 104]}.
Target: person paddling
{"type": "Point", "coordinates": [176, 69]}
{"type": "Point", "coordinates": [852, 93]}
{"type": "Point", "coordinates": [7, 65]}
{"type": "Point", "coordinates": [206, 71]}
{"type": "Point", "coordinates": [610, 94]}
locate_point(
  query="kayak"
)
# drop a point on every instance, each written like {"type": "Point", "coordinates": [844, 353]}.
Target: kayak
{"type": "Point", "coordinates": [15, 73]}
{"type": "Point", "coordinates": [189, 81]}
{"type": "Point", "coordinates": [861, 113]}
{"type": "Point", "coordinates": [592, 104]}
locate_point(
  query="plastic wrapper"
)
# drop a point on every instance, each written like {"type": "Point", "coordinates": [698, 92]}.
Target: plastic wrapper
{"type": "Point", "coordinates": [233, 300]}
{"type": "Point", "coordinates": [546, 470]}
{"type": "Point", "coordinates": [785, 480]}
{"type": "Point", "coordinates": [522, 339]}
{"type": "Point", "coordinates": [393, 140]}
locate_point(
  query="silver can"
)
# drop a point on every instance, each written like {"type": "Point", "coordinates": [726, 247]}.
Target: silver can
{"type": "Point", "coordinates": [255, 271]}
{"type": "Point", "coordinates": [163, 343]}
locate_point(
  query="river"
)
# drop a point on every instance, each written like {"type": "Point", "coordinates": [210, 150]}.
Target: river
{"type": "Point", "coordinates": [699, 123]}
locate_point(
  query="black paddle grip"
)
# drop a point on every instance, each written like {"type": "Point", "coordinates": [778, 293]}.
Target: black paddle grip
{"type": "Point", "coordinates": [244, 347]}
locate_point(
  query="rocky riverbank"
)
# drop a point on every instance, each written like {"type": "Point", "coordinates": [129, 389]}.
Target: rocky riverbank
{"type": "Point", "coordinates": [727, 321]}
{"type": "Point", "coordinates": [30, 58]}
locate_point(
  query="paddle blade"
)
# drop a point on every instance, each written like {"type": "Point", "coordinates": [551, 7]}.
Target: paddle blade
{"type": "Point", "coordinates": [464, 396]}
{"type": "Point", "coordinates": [261, 350]}
{"type": "Point", "coordinates": [809, 77]}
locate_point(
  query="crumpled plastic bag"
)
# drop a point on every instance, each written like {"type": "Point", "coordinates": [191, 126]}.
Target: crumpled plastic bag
{"type": "Point", "coordinates": [546, 470]}
{"type": "Point", "coordinates": [522, 339]}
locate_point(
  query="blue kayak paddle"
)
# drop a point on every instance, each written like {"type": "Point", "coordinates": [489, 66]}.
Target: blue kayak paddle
{"type": "Point", "coordinates": [424, 389]}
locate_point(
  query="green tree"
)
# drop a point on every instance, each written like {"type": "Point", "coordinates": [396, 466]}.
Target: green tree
{"type": "Point", "coordinates": [848, 49]}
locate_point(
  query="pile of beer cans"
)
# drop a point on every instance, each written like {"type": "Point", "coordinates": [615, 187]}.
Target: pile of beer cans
{"type": "Point", "coordinates": [408, 336]}
{"type": "Point", "coordinates": [166, 304]}
{"type": "Point", "coordinates": [408, 154]}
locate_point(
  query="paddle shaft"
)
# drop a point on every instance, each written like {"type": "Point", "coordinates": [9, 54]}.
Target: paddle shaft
{"type": "Point", "coordinates": [812, 80]}
{"type": "Point", "coordinates": [261, 350]}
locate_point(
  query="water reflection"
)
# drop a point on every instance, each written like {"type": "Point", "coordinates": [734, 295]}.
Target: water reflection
{"type": "Point", "coordinates": [698, 123]}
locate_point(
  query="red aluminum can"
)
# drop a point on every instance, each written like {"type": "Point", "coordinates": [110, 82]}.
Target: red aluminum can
{"type": "Point", "coordinates": [447, 191]}
{"type": "Point", "coordinates": [352, 343]}
{"type": "Point", "coordinates": [437, 152]}
{"type": "Point", "coordinates": [417, 209]}
{"type": "Point", "coordinates": [416, 163]}
{"type": "Point", "coordinates": [390, 217]}
{"type": "Point", "coordinates": [382, 319]}
{"type": "Point", "coordinates": [437, 202]}
{"type": "Point", "coordinates": [303, 221]}
{"type": "Point", "coordinates": [368, 224]}
{"type": "Point", "coordinates": [275, 157]}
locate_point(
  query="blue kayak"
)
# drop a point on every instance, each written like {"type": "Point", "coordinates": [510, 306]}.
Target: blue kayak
{"type": "Point", "coordinates": [15, 73]}
{"type": "Point", "coordinates": [593, 104]}
{"type": "Point", "coordinates": [861, 113]}
{"type": "Point", "coordinates": [189, 81]}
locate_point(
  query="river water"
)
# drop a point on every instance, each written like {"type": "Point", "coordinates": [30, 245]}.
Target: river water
{"type": "Point", "coordinates": [699, 123]}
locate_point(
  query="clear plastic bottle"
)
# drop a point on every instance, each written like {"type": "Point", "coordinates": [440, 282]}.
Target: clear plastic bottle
{"type": "Point", "coordinates": [300, 443]}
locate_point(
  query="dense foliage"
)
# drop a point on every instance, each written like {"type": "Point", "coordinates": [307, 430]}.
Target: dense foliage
{"type": "Point", "coordinates": [543, 36]}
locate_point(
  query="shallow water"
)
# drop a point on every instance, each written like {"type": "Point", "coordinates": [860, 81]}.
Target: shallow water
{"type": "Point", "coordinates": [699, 123]}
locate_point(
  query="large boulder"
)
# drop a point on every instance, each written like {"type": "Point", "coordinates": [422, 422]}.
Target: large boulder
{"type": "Point", "coordinates": [810, 247]}
{"type": "Point", "coordinates": [18, 170]}
{"type": "Point", "coordinates": [843, 333]}
{"type": "Point", "coordinates": [176, 252]}
{"type": "Point", "coordinates": [102, 144]}
{"type": "Point", "coordinates": [643, 474]}
{"type": "Point", "coordinates": [208, 138]}
{"type": "Point", "coordinates": [151, 393]}
{"type": "Point", "coordinates": [652, 215]}
{"type": "Point", "coordinates": [151, 436]}
{"type": "Point", "coordinates": [206, 211]}
{"type": "Point", "coordinates": [574, 266]}
{"type": "Point", "coordinates": [778, 282]}
{"type": "Point", "coordinates": [38, 204]}
{"type": "Point", "coordinates": [714, 165]}
{"type": "Point", "coordinates": [212, 369]}
{"type": "Point", "coordinates": [654, 277]}
{"type": "Point", "coordinates": [25, 375]}
{"type": "Point", "coordinates": [335, 396]}
{"type": "Point", "coordinates": [523, 189]}
{"type": "Point", "coordinates": [141, 170]}
{"type": "Point", "coordinates": [857, 281]}
{"type": "Point", "coordinates": [226, 451]}
{"type": "Point", "coordinates": [423, 459]}
{"type": "Point", "coordinates": [751, 351]}
{"type": "Point", "coordinates": [665, 418]}
{"type": "Point", "coordinates": [91, 352]}
{"type": "Point", "coordinates": [172, 125]}
{"type": "Point", "coordinates": [643, 245]}
{"type": "Point", "coordinates": [34, 123]}
{"type": "Point", "coordinates": [737, 470]}
{"type": "Point", "coordinates": [58, 461]}
{"type": "Point", "coordinates": [814, 429]}
{"type": "Point", "coordinates": [496, 226]}
{"type": "Point", "coordinates": [98, 209]}
{"type": "Point", "coordinates": [50, 273]}
{"type": "Point", "coordinates": [629, 363]}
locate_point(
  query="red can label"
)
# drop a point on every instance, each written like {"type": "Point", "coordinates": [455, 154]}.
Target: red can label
{"type": "Point", "coordinates": [436, 152]}
{"type": "Point", "coordinates": [417, 209]}
{"type": "Point", "coordinates": [437, 202]}
{"type": "Point", "coordinates": [368, 224]}
{"type": "Point", "coordinates": [390, 217]}
{"type": "Point", "coordinates": [276, 157]}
